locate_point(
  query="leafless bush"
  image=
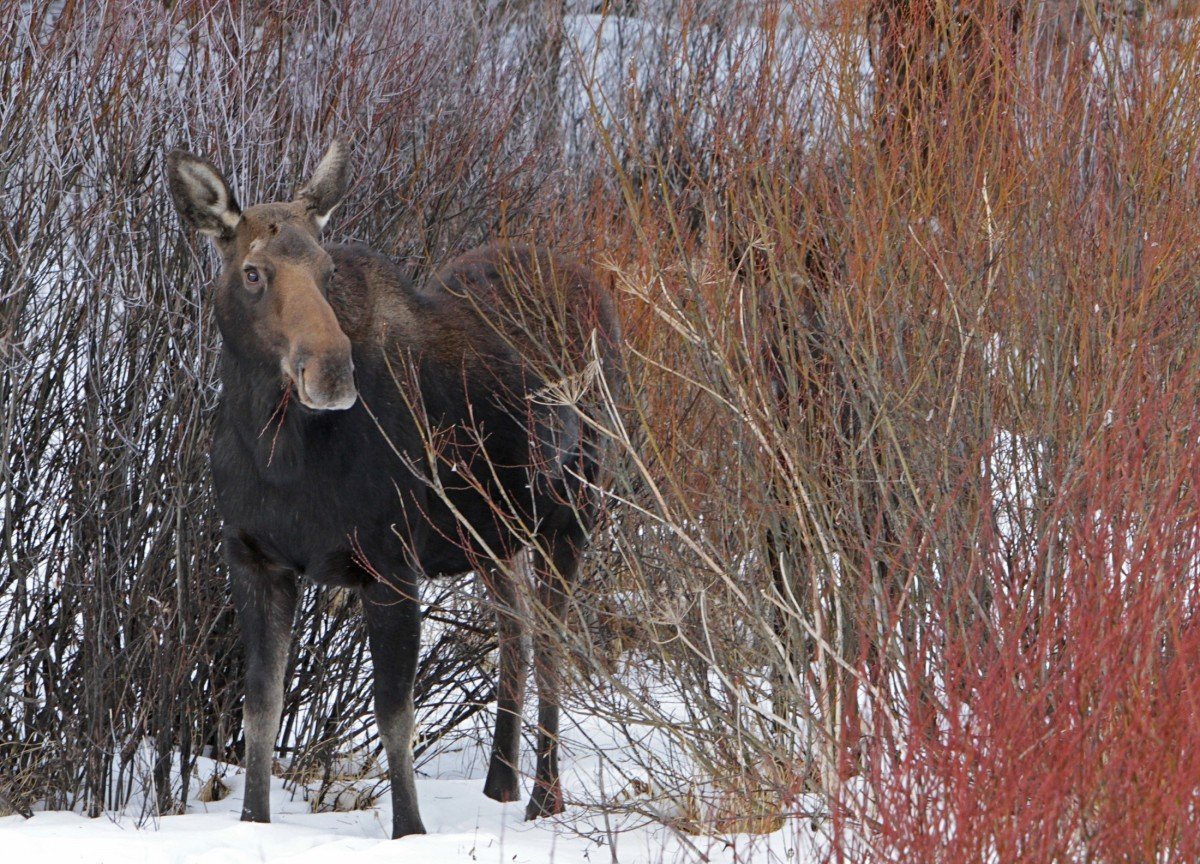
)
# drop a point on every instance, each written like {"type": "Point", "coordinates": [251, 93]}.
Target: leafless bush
{"type": "Point", "coordinates": [114, 623]}
{"type": "Point", "coordinates": [876, 522]}
{"type": "Point", "coordinates": [902, 526]}
{"type": "Point", "coordinates": [871, 533]}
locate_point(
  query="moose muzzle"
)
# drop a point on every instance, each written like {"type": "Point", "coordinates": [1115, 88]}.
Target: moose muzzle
{"type": "Point", "coordinates": [324, 376]}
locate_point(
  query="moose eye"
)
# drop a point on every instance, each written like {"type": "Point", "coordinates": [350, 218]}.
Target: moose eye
{"type": "Point", "coordinates": [252, 276]}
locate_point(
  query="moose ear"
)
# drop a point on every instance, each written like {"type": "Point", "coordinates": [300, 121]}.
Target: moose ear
{"type": "Point", "coordinates": [328, 184]}
{"type": "Point", "coordinates": [202, 196]}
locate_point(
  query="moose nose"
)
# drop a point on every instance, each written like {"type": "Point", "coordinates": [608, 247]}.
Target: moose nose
{"type": "Point", "coordinates": [325, 379]}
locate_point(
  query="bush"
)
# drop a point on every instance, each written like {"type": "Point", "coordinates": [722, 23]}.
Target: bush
{"type": "Point", "coordinates": [902, 532]}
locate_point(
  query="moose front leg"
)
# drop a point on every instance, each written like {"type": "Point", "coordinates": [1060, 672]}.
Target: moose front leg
{"type": "Point", "coordinates": [393, 614]}
{"type": "Point", "coordinates": [265, 598]}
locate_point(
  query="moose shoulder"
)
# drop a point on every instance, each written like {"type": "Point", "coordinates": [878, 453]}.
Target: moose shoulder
{"type": "Point", "coordinates": [370, 434]}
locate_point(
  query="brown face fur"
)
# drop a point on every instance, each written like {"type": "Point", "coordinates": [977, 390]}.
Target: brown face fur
{"type": "Point", "coordinates": [286, 307]}
{"type": "Point", "coordinates": [271, 299]}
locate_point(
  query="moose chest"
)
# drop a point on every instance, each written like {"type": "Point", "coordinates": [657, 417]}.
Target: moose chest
{"type": "Point", "coordinates": [316, 495]}
{"type": "Point", "coordinates": [328, 496]}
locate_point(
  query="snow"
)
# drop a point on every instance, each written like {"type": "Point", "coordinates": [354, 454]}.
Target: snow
{"type": "Point", "coordinates": [463, 825]}
{"type": "Point", "coordinates": [459, 831]}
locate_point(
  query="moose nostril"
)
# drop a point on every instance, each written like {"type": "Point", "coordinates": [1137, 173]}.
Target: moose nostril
{"type": "Point", "coordinates": [331, 384]}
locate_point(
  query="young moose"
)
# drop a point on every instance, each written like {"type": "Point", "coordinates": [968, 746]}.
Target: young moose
{"type": "Point", "coordinates": [371, 433]}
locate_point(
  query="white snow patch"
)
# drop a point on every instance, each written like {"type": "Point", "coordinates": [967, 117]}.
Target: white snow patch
{"type": "Point", "coordinates": [463, 825]}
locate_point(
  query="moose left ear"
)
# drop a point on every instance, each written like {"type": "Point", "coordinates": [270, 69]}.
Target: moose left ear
{"type": "Point", "coordinates": [328, 184]}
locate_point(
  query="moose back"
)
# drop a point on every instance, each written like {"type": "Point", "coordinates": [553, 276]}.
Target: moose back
{"type": "Point", "coordinates": [370, 434]}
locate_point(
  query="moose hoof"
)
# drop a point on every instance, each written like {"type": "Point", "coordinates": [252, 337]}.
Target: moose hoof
{"type": "Point", "coordinates": [545, 802]}
{"type": "Point", "coordinates": [501, 784]}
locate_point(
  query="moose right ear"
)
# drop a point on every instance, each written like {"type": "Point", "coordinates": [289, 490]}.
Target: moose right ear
{"type": "Point", "coordinates": [202, 196]}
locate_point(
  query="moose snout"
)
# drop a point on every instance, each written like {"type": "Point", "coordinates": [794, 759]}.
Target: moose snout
{"type": "Point", "coordinates": [324, 378]}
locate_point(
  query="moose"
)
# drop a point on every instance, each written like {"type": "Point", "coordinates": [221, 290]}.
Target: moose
{"type": "Point", "coordinates": [373, 432]}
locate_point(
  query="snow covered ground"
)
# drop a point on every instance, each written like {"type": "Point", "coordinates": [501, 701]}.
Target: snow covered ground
{"type": "Point", "coordinates": [463, 826]}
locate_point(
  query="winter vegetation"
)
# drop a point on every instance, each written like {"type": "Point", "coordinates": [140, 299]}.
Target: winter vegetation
{"type": "Point", "coordinates": [900, 545]}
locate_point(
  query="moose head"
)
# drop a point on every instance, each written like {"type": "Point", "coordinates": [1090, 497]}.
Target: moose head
{"type": "Point", "coordinates": [271, 296]}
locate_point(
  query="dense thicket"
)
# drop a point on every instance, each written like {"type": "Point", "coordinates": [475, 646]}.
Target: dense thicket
{"type": "Point", "coordinates": [904, 526]}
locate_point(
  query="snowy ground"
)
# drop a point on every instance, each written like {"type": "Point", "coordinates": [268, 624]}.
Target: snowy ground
{"type": "Point", "coordinates": [463, 826]}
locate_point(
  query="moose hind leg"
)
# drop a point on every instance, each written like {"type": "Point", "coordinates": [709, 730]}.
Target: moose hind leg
{"type": "Point", "coordinates": [556, 563]}
{"type": "Point", "coordinates": [265, 598]}
{"type": "Point", "coordinates": [502, 782]}
{"type": "Point", "coordinates": [393, 615]}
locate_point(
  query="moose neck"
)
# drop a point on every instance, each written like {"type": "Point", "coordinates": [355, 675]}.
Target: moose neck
{"type": "Point", "coordinates": [261, 407]}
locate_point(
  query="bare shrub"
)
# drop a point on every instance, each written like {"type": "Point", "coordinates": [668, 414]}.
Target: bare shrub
{"type": "Point", "coordinates": [903, 517]}
{"type": "Point", "coordinates": [114, 623]}
{"type": "Point", "coordinates": [905, 472]}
